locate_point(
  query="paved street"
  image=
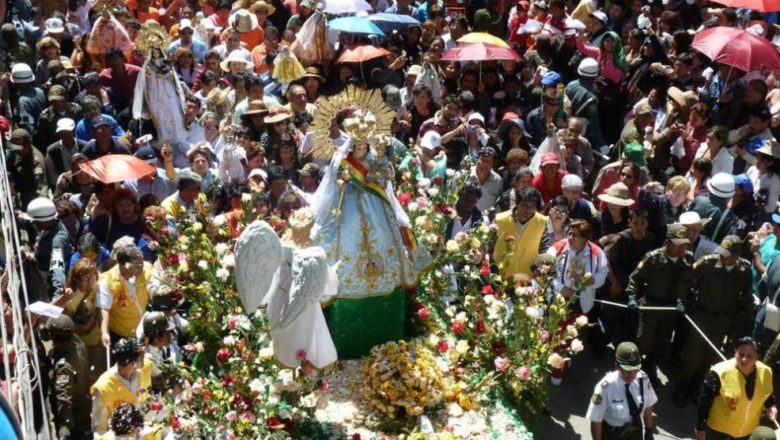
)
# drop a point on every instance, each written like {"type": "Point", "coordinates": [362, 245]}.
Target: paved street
{"type": "Point", "coordinates": [569, 403]}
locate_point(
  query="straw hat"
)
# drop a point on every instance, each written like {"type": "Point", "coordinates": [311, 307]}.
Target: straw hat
{"type": "Point", "coordinates": [617, 194]}
{"type": "Point", "coordinates": [684, 99]}
{"type": "Point", "coordinates": [279, 115]}
{"type": "Point", "coordinates": [770, 148]}
{"type": "Point", "coordinates": [243, 21]}
{"type": "Point", "coordinates": [235, 56]}
{"type": "Point", "coordinates": [256, 108]}
{"type": "Point", "coordinates": [313, 72]}
{"type": "Point", "coordinates": [256, 6]}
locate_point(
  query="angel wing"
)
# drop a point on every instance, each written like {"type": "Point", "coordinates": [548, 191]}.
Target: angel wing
{"type": "Point", "coordinates": [258, 256]}
{"type": "Point", "coordinates": [309, 276]}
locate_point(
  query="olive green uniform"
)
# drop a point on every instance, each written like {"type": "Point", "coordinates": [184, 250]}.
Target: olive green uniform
{"type": "Point", "coordinates": [723, 306]}
{"type": "Point", "coordinates": [660, 282]}
{"type": "Point", "coordinates": [70, 401]}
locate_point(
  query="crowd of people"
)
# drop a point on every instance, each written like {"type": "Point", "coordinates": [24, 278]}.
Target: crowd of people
{"type": "Point", "coordinates": [647, 172]}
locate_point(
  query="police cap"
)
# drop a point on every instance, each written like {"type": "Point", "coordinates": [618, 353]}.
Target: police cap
{"type": "Point", "coordinates": [60, 327]}
{"type": "Point", "coordinates": [155, 323]}
{"type": "Point", "coordinates": [627, 356]}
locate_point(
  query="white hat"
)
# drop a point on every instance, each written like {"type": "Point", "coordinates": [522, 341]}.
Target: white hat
{"type": "Point", "coordinates": [185, 23]}
{"type": "Point", "coordinates": [22, 74]}
{"type": "Point", "coordinates": [243, 21]}
{"type": "Point", "coordinates": [476, 116]}
{"type": "Point", "coordinates": [41, 210]}
{"type": "Point", "coordinates": [258, 172]}
{"type": "Point", "coordinates": [65, 124]}
{"type": "Point", "coordinates": [588, 68]}
{"type": "Point", "coordinates": [236, 56]}
{"type": "Point", "coordinates": [54, 26]}
{"type": "Point", "coordinates": [721, 185]}
{"type": "Point", "coordinates": [617, 194]}
{"type": "Point", "coordinates": [431, 140]}
{"type": "Point", "coordinates": [692, 218]}
{"type": "Point", "coordinates": [600, 16]}
{"type": "Point", "coordinates": [414, 70]}
{"type": "Point", "coordinates": [572, 181]}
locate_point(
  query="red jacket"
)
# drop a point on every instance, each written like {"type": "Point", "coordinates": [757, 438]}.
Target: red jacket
{"type": "Point", "coordinates": [548, 193]}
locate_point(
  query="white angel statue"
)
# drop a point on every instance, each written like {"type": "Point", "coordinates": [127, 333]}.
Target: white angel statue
{"type": "Point", "coordinates": [290, 277]}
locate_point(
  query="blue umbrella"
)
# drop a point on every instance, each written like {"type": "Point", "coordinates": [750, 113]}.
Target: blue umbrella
{"type": "Point", "coordinates": [355, 25]}
{"type": "Point", "coordinates": [390, 22]}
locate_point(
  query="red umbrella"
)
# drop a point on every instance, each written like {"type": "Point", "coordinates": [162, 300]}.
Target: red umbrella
{"type": "Point", "coordinates": [737, 48]}
{"type": "Point", "coordinates": [117, 168]}
{"type": "Point", "coordinates": [756, 5]}
{"type": "Point", "coordinates": [480, 52]}
{"type": "Point", "coordinates": [362, 53]}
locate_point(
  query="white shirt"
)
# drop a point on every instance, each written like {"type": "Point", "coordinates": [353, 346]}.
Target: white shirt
{"type": "Point", "coordinates": [105, 300]}
{"type": "Point", "coordinates": [491, 189]}
{"type": "Point", "coordinates": [723, 162]}
{"type": "Point", "coordinates": [768, 181]}
{"type": "Point", "coordinates": [610, 393]}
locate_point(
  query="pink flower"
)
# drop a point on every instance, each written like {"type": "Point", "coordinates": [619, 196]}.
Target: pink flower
{"type": "Point", "coordinates": [155, 406]}
{"type": "Point", "coordinates": [487, 289]}
{"type": "Point", "coordinates": [423, 313]}
{"type": "Point", "coordinates": [300, 355]}
{"type": "Point", "coordinates": [544, 335]}
{"type": "Point", "coordinates": [404, 199]}
{"type": "Point", "coordinates": [457, 327]}
{"type": "Point", "coordinates": [523, 373]}
{"type": "Point", "coordinates": [248, 417]}
{"type": "Point", "coordinates": [459, 237]}
{"type": "Point", "coordinates": [501, 364]}
{"type": "Point", "coordinates": [493, 228]}
{"type": "Point", "coordinates": [422, 202]}
{"type": "Point", "coordinates": [232, 323]}
{"type": "Point", "coordinates": [231, 416]}
{"type": "Point", "coordinates": [324, 385]}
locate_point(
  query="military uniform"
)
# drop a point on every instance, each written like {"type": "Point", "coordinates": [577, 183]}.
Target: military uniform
{"type": "Point", "coordinates": [660, 281]}
{"type": "Point", "coordinates": [26, 170]}
{"type": "Point", "coordinates": [621, 418]}
{"type": "Point", "coordinates": [69, 376]}
{"type": "Point", "coordinates": [52, 250]}
{"type": "Point", "coordinates": [46, 133]}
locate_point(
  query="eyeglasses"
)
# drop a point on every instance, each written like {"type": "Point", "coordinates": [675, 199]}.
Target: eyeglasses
{"type": "Point", "coordinates": [560, 210]}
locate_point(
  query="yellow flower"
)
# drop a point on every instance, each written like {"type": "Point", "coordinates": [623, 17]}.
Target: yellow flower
{"type": "Point", "coordinates": [452, 246]}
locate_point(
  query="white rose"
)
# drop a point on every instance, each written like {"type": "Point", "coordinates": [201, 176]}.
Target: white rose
{"type": "Point", "coordinates": [411, 207]}
{"type": "Point", "coordinates": [228, 260]}
{"type": "Point", "coordinates": [197, 227]}
{"type": "Point", "coordinates": [433, 192]}
{"type": "Point", "coordinates": [203, 264]}
{"type": "Point", "coordinates": [532, 312]}
{"type": "Point", "coordinates": [256, 386]}
{"type": "Point", "coordinates": [424, 183]}
{"type": "Point", "coordinates": [265, 353]}
{"type": "Point", "coordinates": [246, 198]}
{"type": "Point", "coordinates": [449, 172]}
{"type": "Point", "coordinates": [582, 321]}
{"type": "Point", "coordinates": [556, 361]}
{"type": "Point", "coordinates": [229, 341]}
{"type": "Point", "coordinates": [571, 332]}
{"type": "Point", "coordinates": [223, 274]}
{"type": "Point", "coordinates": [420, 221]}
{"type": "Point", "coordinates": [219, 220]}
{"type": "Point", "coordinates": [577, 346]}
{"type": "Point", "coordinates": [462, 347]}
{"type": "Point", "coordinates": [221, 248]}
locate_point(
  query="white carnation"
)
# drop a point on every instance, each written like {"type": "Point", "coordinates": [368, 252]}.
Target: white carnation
{"type": "Point", "coordinates": [221, 248]}
{"type": "Point", "coordinates": [228, 260]}
{"type": "Point", "coordinates": [203, 264]}
{"type": "Point", "coordinates": [223, 274]}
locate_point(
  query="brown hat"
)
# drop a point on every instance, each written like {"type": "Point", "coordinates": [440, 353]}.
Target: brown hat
{"type": "Point", "coordinates": [19, 138]}
{"type": "Point", "coordinates": [313, 72]}
{"type": "Point", "coordinates": [257, 6]}
{"type": "Point", "coordinates": [278, 115]}
{"type": "Point", "coordinates": [256, 108]}
{"type": "Point", "coordinates": [684, 99]}
{"type": "Point", "coordinates": [617, 194]}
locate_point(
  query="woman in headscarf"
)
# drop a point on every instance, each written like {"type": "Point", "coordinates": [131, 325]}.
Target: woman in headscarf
{"type": "Point", "coordinates": [612, 73]}
{"type": "Point", "coordinates": [643, 75]}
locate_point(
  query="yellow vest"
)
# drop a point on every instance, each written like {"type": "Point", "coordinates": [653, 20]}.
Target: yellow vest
{"type": "Point", "coordinates": [114, 392]}
{"type": "Point", "coordinates": [731, 412]}
{"type": "Point", "coordinates": [521, 252]}
{"type": "Point", "coordinates": [125, 314]}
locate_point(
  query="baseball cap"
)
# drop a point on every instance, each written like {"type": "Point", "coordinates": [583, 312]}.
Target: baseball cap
{"type": "Point", "coordinates": [65, 124]}
{"type": "Point", "coordinates": [636, 154]}
{"type": "Point", "coordinates": [677, 234]}
{"type": "Point", "coordinates": [600, 16]}
{"type": "Point", "coordinates": [627, 356]}
{"type": "Point", "coordinates": [642, 109]}
{"type": "Point", "coordinates": [147, 155]}
{"type": "Point", "coordinates": [185, 24]}
{"type": "Point", "coordinates": [572, 181]}
{"type": "Point", "coordinates": [550, 158]}
{"type": "Point", "coordinates": [60, 327]}
{"type": "Point", "coordinates": [431, 140]}
{"type": "Point", "coordinates": [19, 137]}
{"type": "Point", "coordinates": [476, 116]}
{"type": "Point", "coordinates": [414, 70]}
{"type": "Point", "coordinates": [99, 121]}
{"type": "Point", "coordinates": [744, 181]}
{"type": "Point", "coordinates": [730, 245]}
{"type": "Point", "coordinates": [551, 78]}
{"type": "Point", "coordinates": [57, 93]}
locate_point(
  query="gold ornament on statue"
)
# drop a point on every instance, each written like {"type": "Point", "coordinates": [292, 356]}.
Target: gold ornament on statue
{"type": "Point", "coordinates": [370, 119]}
{"type": "Point", "coordinates": [152, 36]}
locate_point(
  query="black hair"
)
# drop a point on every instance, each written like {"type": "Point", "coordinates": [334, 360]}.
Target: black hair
{"type": "Point", "coordinates": [88, 242]}
{"type": "Point", "coordinates": [746, 340]}
{"type": "Point", "coordinates": [471, 186]}
{"type": "Point", "coordinates": [559, 201]}
{"type": "Point", "coordinates": [115, 52]}
{"type": "Point", "coordinates": [125, 419]}
{"type": "Point", "coordinates": [640, 212]}
{"type": "Point", "coordinates": [274, 173]}
{"type": "Point", "coordinates": [529, 194]}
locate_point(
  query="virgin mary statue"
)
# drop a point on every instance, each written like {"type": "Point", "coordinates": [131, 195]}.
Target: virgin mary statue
{"type": "Point", "coordinates": [363, 229]}
{"type": "Point", "coordinates": [158, 91]}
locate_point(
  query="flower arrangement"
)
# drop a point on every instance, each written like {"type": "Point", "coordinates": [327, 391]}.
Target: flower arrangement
{"type": "Point", "coordinates": [402, 379]}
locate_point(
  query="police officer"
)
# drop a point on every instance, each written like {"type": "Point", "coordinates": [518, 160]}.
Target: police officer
{"type": "Point", "coordinates": [52, 245]}
{"type": "Point", "coordinates": [69, 376]}
{"type": "Point", "coordinates": [157, 333]}
{"type": "Point", "coordinates": [623, 401]}
{"type": "Point", "coordinates": [585, 100]}
{"type": "Point", "coordinates": [723, 306]}
{"type": "Point", "coordinates": [662, 279]}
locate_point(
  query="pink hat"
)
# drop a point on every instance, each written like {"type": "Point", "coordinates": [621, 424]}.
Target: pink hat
{"type": "Point", "coordinates": [550, 158]}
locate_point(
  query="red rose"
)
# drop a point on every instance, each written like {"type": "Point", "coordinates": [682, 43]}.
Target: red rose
{"type": "Point", "coordinates": [442, 346]}
{"type": "Point", "coordinates": [176, 295]}
{"type": "Point", "coordinates": [232, 323]}
{"type": "Point", "coordinates": [457, 327]}
{"type": "Point", "coordinates": [498, 348]}
{"type": "Point", "coordinates": [273, 422]}
{"type": "Point", "coordinates": [447, 210]}
{"type": "Point", "coordinates": [356, 436]}
{"type": "Point", "coordinates": [479, 327]}
{"type": "Point", "coordinates": [484, 270]}
{"type": "Point", "coordinates": [223, 354]}
{"type": "Point", "coordinates": [155, 406]}
{"type": "Point", "coordinates": [423, 313]}
{"type": "Point", "coordinates": [175, 424]}
{"type": "Point", "coordinates": [173, 259]}
{"type": "Point", "coordinates": [438, 180]}
{"type": "Point", "coordinates": [487, 289]}
{"type": "Point", "coordinates": [404, 199]}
